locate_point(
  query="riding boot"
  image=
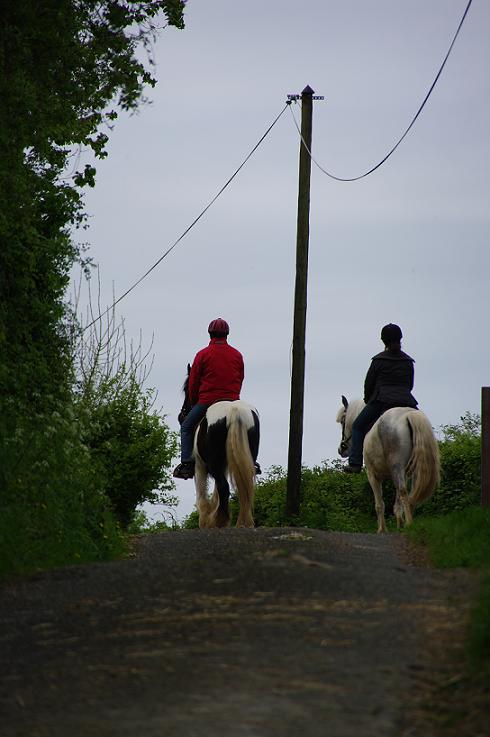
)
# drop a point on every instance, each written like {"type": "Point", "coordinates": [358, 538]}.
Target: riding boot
{"type": "Point", "coordinates": [184, 470]}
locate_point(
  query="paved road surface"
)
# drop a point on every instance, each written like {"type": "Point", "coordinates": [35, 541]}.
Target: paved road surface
{"type": "Point", "coordinates": [232, 633]}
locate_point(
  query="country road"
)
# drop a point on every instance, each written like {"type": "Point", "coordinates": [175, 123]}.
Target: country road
{"type": "Point", "coordinates": [234, 633]}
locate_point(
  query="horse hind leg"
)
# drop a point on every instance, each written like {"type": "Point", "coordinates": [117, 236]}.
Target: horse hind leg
{"type": "Point", "coordinates": [245, 517]}
{"type": "Point", "coordinates": [402, 509]}
{"type": "Point", "coordinates": [377, 488]}
{"type": "Point", "coordinates": [220, 516]}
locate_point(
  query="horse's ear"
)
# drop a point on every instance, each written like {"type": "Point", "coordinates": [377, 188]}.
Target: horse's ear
{"type": "Point", "coordinates": [188, 369]}
{"type": "Point", "coordinates": [345, 402]}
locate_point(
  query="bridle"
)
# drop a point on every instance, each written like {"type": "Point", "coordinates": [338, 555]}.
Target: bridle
{"type": "Point", "coordinates": [344, 443]}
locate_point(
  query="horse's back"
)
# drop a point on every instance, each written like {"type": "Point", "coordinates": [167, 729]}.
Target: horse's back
{"type": "Point", "coordinates": [224, 411]}
{"type": "Point", "coordinates": [389, 441]}
{"type": "Point", "coordinates": [213, 431]}
{"type": "Point", "coordinates": [394, 436]}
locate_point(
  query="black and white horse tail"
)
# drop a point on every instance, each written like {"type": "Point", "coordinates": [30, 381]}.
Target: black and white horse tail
{"type": "Point", "coordinates": [241, 463]}
{"type": "Point", "coordinates": [423, 465]}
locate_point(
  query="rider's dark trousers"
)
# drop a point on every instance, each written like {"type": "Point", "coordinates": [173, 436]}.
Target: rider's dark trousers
{"type": "Point", "coordinates": [187, 431]}
{"type": "Point", "coordinates": [361, 426]}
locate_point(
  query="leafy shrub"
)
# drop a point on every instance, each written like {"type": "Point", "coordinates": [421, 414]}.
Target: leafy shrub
{"type": "Point", "coordinates": [191, 522]}
{"type": "Point", "coordinates": [53, 509]}
{"type": "Point", "coordinates": [141, 524]}
{"type": "Point", "coordinates": [330, 500]}
{"type": "Point", "coordinates": [131, 445]}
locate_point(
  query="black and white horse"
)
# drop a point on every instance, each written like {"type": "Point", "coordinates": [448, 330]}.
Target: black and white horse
{"type": "Point", "coordinates": [401, 444]}
{"type": "Point", "coordinates": [226, 446]}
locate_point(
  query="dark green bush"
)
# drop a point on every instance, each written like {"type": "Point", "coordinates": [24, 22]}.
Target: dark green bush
{"type": "Point", "coordinates": [53, 509]}
{"type": "Point", "coordinates": [141, 524]}
{"type": "Point", "coordinates": [132, 447]}
{"type": "Point", "coordinates": [330, 500]}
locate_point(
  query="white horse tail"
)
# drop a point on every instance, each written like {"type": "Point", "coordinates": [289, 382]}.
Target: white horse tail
{"type": "Point", "coordinates": [424, 463]}
{"type": "Point", "coordinates": [241, 466]}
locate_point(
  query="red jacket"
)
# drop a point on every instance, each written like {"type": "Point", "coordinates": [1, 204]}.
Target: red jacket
{"type": "Point", "coordinates": [217, 373]}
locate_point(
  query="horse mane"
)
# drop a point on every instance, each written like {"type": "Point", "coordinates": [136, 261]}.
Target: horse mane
{"type": "Point", "coordinates": [185, 385]}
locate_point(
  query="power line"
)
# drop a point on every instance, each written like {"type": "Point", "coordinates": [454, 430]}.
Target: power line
{"type": "Point", "coordinates": [227, 183]}
{"type": "Point", "coordinates": [361, 176]}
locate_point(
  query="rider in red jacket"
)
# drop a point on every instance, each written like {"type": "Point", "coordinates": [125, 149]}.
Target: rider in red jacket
{"type": "Point", "coordinates": [217, 373]}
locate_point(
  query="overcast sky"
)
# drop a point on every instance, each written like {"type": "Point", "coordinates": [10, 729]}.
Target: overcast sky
{"type": "Point", "coordinates": [408, 244]}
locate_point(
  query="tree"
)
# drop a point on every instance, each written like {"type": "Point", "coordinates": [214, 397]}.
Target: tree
{"type": "Point", "coordinates": [131, 446]}
{"type": "Point", "coordinates": [66, 66]}
{"type": "Point", "coordinates": [130, 443]}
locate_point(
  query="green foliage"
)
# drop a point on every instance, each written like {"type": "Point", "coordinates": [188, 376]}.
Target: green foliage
{"type": "Point", "coordinates": [462, 538]}
{"type": "Point", "coordinates": [66, 67]}
{"type": "Point", "coordinates": [191, 522]}
{"type": "Point", "coordinates": [142, 525]}
{"type": "Point", "coordinates": [131, 445]}
{"type": "Point", "coordinates": [330, 500]}
{"type": "Point", "coordinates": [53, 509]}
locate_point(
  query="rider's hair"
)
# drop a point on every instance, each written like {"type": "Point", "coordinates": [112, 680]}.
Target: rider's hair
{"type": "Point", "coordinates": [215, 334]}
{"type": "Point", "coordinates": [391, 335]}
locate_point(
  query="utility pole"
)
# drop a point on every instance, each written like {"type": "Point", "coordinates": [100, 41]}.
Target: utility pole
{"type": "Point", "coordinates": [485, 446]}
{"type": "Point", "coordinates": [300, 301]}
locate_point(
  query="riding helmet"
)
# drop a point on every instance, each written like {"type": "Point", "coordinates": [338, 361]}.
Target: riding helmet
{"type": "Point", "coordinates": [391, 334]}
{"type": "Point", "coordinates": [219, 326]}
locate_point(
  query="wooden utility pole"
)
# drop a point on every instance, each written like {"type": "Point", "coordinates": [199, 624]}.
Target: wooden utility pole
{"type": "Point", "coordinates": [485, 446]}
{"type": "Point", "coordinates": [300, 299]}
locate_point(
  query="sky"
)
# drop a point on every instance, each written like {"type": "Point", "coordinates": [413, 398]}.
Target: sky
{"type": "Point", "coordinates": [408, 244]}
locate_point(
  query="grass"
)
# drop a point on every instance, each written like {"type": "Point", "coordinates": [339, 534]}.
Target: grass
{"type": "Point", "coordinates": [463, 539]}
{"type": "Point", "coordinates": [456, 539]}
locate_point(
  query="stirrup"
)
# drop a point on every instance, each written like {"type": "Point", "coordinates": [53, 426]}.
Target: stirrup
{"type": "Point", "coordinates": [352, 469]}
{"type": "Point", "coordinates": [184, 470]}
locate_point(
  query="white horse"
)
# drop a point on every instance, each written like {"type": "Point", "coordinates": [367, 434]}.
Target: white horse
{"type": "Point", "coordinates": [226, 446]}
{"type": "Point", "coordinates": [400, 445]}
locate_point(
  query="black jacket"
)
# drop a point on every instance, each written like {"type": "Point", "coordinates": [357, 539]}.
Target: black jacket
{"type": "Point", "coordinates": [390, 379]}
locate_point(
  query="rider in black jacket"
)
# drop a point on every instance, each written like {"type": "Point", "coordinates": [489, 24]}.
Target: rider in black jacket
{"type": "Point", "coordinates": [388, 383]}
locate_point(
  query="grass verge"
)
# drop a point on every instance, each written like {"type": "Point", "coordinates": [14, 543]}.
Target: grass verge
{"type": "Point", "coordinates": [463, 539]}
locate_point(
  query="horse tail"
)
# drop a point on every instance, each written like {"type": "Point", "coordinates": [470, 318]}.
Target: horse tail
{"type": "Point", "coordinates": [424, 463]}
{"type": "Point", "coordinates": [240, 464]}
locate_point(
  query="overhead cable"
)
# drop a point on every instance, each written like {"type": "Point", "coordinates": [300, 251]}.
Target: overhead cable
{"type": "Point", "coordinates": [361, 176]}
{"type": "Point", "coordinates": [226, 184]}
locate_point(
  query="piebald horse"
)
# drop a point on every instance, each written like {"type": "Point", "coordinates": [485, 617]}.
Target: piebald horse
{"type": "Point", "coordinates": [400, 445]}
{"type": "Point", "coordinates": [226, 446]}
